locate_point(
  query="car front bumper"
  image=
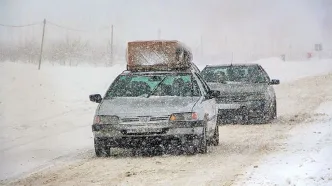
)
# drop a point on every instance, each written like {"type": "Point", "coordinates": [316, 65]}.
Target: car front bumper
{"type": "Point", "coordinates": [174, 132]}
{"type": "Point", "coordinates": [235, 112]}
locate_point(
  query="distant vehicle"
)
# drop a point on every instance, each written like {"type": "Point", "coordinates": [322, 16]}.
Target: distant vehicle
{"type": "Point", "coordinates": [246, 92]}
{"type": "Point", "coordinates": [156, 102]}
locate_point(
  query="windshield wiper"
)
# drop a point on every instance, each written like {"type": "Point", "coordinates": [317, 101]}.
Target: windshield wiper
{"type": "Point", "coordinates": [155, 88]}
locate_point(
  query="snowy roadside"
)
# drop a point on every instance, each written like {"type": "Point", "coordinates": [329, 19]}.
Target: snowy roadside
{"type": "Point", "coordinates": [305, 160]}
{"type": "Point", "coordinates": [46, 115]}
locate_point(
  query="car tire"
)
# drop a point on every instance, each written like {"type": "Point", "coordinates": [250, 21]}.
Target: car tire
{"type": "Point", "coordinates": [215, 138]}
{"type": "Point", "coordinates": [202, 148]}
{"type": "Point", "coordinates": [274, 111]}
{"type": "Point", "coordinates": [101, 149]}
{"type": "Point", "coordinates": [193, 147]}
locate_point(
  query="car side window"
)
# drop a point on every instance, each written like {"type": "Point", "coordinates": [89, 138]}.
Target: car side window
{"type": "Point", "coordinates": [264, 73]}
{"type": "Point", "coordinates": [196, 91]}
{"type": "Point", "coordinates": [204, 90]}
{"type": "Point", "coordinates": [205, 86]}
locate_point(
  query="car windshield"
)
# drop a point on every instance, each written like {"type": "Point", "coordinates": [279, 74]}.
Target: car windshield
{"type": "Point", "coordinates": [153, 85]}
{"type": "Point", "coordinates": [242, 74]}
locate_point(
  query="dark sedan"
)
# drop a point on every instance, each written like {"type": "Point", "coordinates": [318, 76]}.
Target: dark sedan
{"type": "Point", "coordinates": [246, 92]}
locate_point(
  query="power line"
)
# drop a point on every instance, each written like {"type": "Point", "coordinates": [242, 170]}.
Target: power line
{"type": "Point", "coordinates": [51, 23]}
{"type": "Point", "coordinates": [72, 29]}
{"type": "Point", "coordinates": [32, 24]}
{"type": "Point", "coordinates": [67, 28]}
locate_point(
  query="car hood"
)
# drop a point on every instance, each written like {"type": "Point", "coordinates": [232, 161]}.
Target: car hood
{"type": "Point", "coordinates": [239, 88]}
{"type": "Point", "coordinates": [152, 106]}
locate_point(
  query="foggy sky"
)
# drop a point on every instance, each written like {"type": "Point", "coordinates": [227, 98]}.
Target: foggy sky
{"type": "Point", "coordinates": [226, 25]}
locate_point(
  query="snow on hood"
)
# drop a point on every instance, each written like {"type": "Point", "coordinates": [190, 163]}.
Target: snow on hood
{"type": "Point", "coordinates": [239, 88]}
{"type": "Point", "coordinates": [152, 106]}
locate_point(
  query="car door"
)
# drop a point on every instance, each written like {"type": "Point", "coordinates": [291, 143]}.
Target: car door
{"type": "Point", "coordinates": [209, 105]}
{"type": "Point", "coordinates": [270, 89]}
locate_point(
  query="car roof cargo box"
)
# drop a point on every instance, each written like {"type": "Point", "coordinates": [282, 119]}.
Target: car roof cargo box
{"type": "Point", "coordinates": [157, 55]}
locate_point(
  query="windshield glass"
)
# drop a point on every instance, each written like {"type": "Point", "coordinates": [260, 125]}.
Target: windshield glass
{"type": "Point", "coordinates": [153, 85]}
{"type": "Point", "coordinates": [244, 74]}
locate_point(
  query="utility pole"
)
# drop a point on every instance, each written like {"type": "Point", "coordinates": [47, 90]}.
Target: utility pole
{"type": "Point", "coordinates": [112, 51]}
{"type": "Point", "coordinates": [42, 45]}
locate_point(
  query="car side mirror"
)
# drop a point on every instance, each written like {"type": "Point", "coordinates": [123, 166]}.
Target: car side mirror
{"type": "Point", "coordinates": [213, 94]}
{"type": "Point", "coordinates": [274, 82]}
{"type": "Point", "coordinates": [95, 98]}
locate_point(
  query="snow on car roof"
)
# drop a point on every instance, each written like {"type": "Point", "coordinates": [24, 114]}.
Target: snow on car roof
{"type": "Point", "coordinates": [127, 72]}
{"type": "Point", "coordinates": [157, 55]}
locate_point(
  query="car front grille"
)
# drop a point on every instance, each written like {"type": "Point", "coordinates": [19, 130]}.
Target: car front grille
{"type": "Point", "coordinates": [137, 119]}
{"type": "Point", "coordinates": [127, 120]}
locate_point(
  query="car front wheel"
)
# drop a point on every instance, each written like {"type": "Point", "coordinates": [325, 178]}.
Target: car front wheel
{"type": "Point", "coordinates": [101, 149]}
{"type": "Point", "coordinates": [215, 138]}
{"type": "Point", "coordinates": [198, 144]}
{"type": "Point", "coordinates": [274, 111]}
{"type": "Point", "coordinates": [202, 148]}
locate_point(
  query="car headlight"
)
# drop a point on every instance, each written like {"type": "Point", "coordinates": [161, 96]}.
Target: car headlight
{"type": "Point", "coordinates": [186, 116]}
{"type": "Point", "coordinates": [106, 120]}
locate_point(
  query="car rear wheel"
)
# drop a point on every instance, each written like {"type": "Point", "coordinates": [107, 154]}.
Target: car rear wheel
{"type": "Point", "coordinates": [101, 149]}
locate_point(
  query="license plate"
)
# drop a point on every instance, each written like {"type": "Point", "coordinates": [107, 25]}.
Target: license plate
{"type": "Point", "coordinates": [144, 130]}
{"type": "Point", "coordinates": [228, 106]}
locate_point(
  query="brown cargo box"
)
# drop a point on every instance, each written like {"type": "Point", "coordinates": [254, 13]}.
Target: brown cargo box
{"type": "Point", "coordinates": [157, 55]}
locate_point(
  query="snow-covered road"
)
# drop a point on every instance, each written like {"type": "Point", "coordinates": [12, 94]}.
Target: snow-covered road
{"type": "Point", "coordinates": [306, 157]}
{"type": "Point", "coordinates": [45, 119]}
